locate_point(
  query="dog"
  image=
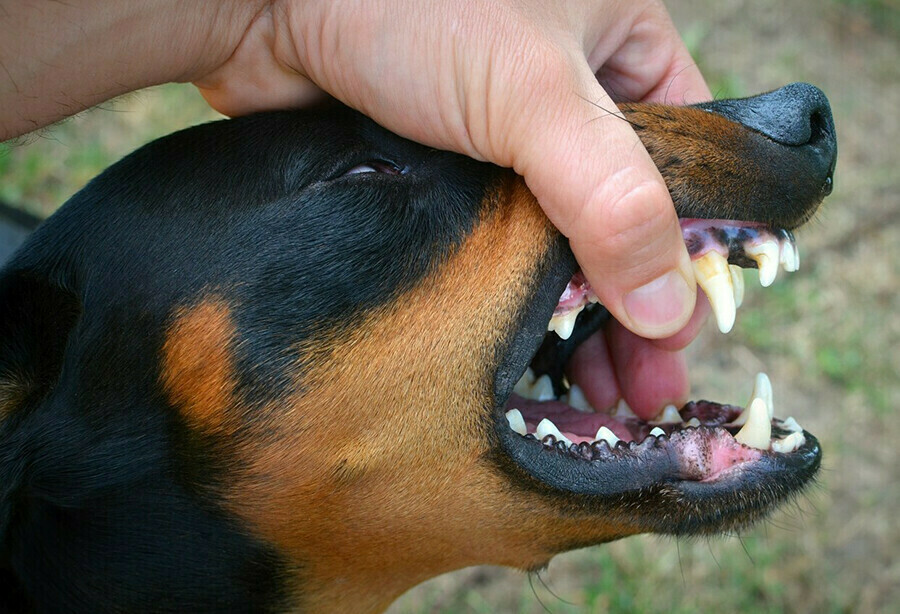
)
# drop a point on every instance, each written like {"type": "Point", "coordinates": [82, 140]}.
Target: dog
{"type": "Point", "coordinates": [287, 362]}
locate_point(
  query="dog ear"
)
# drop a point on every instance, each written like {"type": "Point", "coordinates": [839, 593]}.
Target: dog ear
{"type": "Point", "coordinates": [36, 317]}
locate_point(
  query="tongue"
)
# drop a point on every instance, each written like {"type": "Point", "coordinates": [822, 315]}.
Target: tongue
{"type": "Point", "coordinates": [649, 374]}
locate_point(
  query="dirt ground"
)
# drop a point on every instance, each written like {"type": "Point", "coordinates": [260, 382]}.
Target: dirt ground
{"type": "Point", "coordinates": [828, 335]}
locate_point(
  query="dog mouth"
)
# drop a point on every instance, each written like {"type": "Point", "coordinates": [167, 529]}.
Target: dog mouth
{"type": "Point", "coordinates": [718, 465]}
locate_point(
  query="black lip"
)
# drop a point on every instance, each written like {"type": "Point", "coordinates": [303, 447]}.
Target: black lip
{"type": "Point", "coordinates": [649, 471]}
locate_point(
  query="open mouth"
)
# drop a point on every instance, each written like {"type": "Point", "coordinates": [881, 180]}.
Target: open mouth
{"type": "Point", "coordinates": [742, 459]}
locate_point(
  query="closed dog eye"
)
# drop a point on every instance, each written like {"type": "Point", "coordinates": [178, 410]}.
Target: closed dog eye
{"type": "Point", "coordinates": [384, 167]}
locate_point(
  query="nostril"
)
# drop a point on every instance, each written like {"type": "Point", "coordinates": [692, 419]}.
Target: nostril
{"type": "Point", "coordinates": [818, 127]}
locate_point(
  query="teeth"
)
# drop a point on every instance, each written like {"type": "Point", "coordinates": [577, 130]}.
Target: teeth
{"type": "Point", "coordinates": [604, 434]}
{"type": "Point", "coordinates": [789, 444]}
{"type": "Point", "coordinates": [623, 412]}
{"type": "Point", "coordinates": [669, 415]}
{"type": "Point", "coordinates": [563, 325]}
{"type": "Point", "coordinates": [737, 280]}
{"type": "Point", "coordinates": [789, 424]}
{"type": "Point", "coordinates": [757, 432]}
{"type": "Point", "coordinates": [578, 401]}
{"type": "Point", "coordinates": [543, 389]}
{"type": "Point", "coordinates": [516, 421]}
{"type": "Point", "coordinates": [546, 427]}
{"type": "Point", "coordinates": [714, 276]}
{"type": "Point", "coordinates": [695, 422]}
{"type": "Point", "coordinates": [762, 389]}
{"type": "Point", "coordinates": [523, 386]}
{"type": "Point", "coordinates": [767, 257]}
{"type": "Point", "coordinates": [657, 432]}
{"type": "Point", "coordinates": [790, 257]}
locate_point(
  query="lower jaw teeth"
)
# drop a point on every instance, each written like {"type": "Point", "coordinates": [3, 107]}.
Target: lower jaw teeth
{"type": "Point", "coordinates": [755, 421]}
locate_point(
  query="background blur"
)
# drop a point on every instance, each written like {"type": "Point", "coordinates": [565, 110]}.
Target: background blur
{"type": "Point", "coordinates": [828, 336]}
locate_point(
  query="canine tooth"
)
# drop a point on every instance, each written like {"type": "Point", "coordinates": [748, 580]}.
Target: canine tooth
{"type": "Point", "coordinates": [657, 432]}
{"type": "Point", "coordinates": [766, 256]}
{"type": "Point", "coordinates": [516, 421]}
{"type": "Point", "coordinates": [714, 276]}
{"type": "Point", "coordinates": [757, 432]}
{"type": "Point", "coordinates": [604, 434]}
{"type": "Point", "coordinates": [789, 443]}
{"type": "Point", "coordinates": [737, 281]}
{"type": "Point", "coordinates": [669, 415]}
{"type": "Point", "coordinates": [762, 389]}
{"type": "Point", "coordinates": [789, 424]}
{"type": "Point", "coordinates": [546, 427]}
{"type": "Point", "coordinates": [695, 422]}
{"type": "Point", "coordinates": [564, 325]}
{"type": "Point", "coordinates": [523, 386]}
{"type": "Point", "coordinates": [543, 389]}
{"type": "Point", "coordinates": [577, 399]}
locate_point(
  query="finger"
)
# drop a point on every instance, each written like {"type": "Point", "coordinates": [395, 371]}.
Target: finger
{"type": "Point", "coordinates": [652, 64]}
{"type": "Point", "coordinates": [683, 338]}
{"type": "Point", "coordinates": [598, 185]}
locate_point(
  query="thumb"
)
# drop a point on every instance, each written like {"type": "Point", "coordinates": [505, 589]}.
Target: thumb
{"type": "Point", "coordinates": [598, 185]}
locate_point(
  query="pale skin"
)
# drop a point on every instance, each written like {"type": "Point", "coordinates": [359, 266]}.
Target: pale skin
{"type": "Point", "coordinates": [524, 84]}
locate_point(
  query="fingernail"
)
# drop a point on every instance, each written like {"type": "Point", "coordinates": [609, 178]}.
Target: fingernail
{"type": "Point", "coordinates": [662, 307]}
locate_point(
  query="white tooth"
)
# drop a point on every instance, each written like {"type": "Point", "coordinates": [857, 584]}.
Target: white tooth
{"type": "Point", "coordinates": [789, 424]}
{"type": "Point", "coordinates": [543, 389]}
{"type": "Point", "coordinates": [546, 427]}
{"type": "Point", "coordinates": [766, 256]}
{"type": "Point", "coordinates": [758, 430]}
{"type": "Point", "coordinates": [516, 421]}
{"type": "Point", "coordinates": [762, 389]}
{"type": "Point", "coordinates": [714, 276]}
{"type": "Point", "coordinates": [669, 415]}
{"type": "Point", "coordinates": [604, 434]}
{"type": "Point", "coordinates": [789, 443]}
{"type": "Point", "coordinates": [523, 386]}
{"type": "Point", "coordinates": [693, 422]}
{"type": "Point", "coordinates": [592, 297]}
{"type": "Point", "coordinates": [789, 257]}
{"type": "Point", "coordinates": [657, 432]}
{"type": "Point", "coordinates": [623, 412]}
{"type": "Point", "coordinates": [737, 281]}
{"type": "Point", "coordinates": [577, 399]}
{"type": "Point", "coordinates": [796, 257]}
{"type": "Point", "coordinates": [564, 325]}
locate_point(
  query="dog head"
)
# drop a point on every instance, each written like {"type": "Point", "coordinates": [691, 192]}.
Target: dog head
{"type": "Point", "coordinates": [268, 362]}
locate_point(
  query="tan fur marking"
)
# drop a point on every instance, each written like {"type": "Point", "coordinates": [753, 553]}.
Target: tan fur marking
{"type": "Point", "coordinates": [375, 477]}
{"type": "Point", "coordinates": [197, 365]}
{"type": "Point", "coordinates": [13, 390]}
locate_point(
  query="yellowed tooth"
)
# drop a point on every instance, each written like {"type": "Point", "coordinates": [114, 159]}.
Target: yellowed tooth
{"type": "Point", "coordinates": [789, 424]}
{"type": "Point", "coordinates": [767, 257]}
{"type": "Point", "coordinates": [737, 282]}
{"type": "Point", "coordinates": [546, 427]}
{"type": "Point", "coordinates": [713, 275]}
{"type": "Point", "coordinates": [516, 421]}
{"type": "Point", "coordinates": [669, 415]}
{"type": "Point", "coordinates": [578, 401]}
{"type": "Point", "coordinates": [695, 422]}
{"type": "Point", "coordinates": [757, 432]}
{"type": "Point", "coordinates": [604, 434]}
{"type": "Point", "coordinates": [564, 325]}
{"type": "Point", "coordinates": [789, 444]}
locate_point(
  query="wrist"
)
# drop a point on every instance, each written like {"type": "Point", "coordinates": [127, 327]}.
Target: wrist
{"type": "Point", "coordinates": [62, 58]}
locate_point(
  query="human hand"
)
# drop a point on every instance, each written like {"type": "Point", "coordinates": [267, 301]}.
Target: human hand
{"type": "Point", "coordinates": [514, 83]}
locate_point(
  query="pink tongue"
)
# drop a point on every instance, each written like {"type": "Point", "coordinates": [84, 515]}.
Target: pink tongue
{"type": "Point", "coordinates": [649, 374]}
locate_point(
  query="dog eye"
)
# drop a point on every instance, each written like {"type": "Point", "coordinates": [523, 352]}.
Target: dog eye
{"type": "Point", "coordinates": [377, 166]}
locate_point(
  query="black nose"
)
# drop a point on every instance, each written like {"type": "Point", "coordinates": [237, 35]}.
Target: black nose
{"type": "Point", "coordinates": [796, 115]}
